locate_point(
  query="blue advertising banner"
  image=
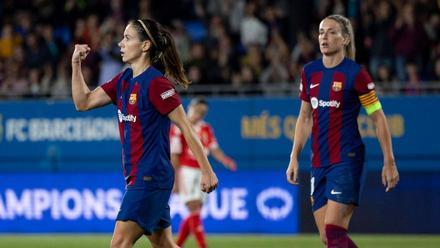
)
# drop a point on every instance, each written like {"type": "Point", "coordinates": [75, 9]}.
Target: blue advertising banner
{"type": "Point", "coordinates": [245, 202]}
{"type": "Point", "coordinates": [257, 132]}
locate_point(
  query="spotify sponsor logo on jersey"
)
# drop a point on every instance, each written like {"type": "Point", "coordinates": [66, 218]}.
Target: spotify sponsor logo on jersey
{"type": "Point", "coordinates": [128, 118]}
{"type": "Point", "coordinates": [324, 104]}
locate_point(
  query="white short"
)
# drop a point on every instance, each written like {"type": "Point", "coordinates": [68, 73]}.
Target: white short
{"type": "Point", "coordinates": [189, 186]}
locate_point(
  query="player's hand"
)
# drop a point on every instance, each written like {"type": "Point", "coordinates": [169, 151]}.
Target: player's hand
{"type": "Point", "coordinates": [292, 172]}
{"type": "Point", "coordinates": [209, 181]}
{"type": "Point", "coordinates": [80, 53]}
{"type": "Point", "coordinates": [229, 163]}
{"type": "Point", "coordinates": [390, 176]}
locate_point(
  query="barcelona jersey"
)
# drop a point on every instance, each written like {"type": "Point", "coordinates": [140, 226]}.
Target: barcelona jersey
{"type": "Point", "coordinates": [336, 95]}
{"type": "Point", "coordinates": [143, 103]}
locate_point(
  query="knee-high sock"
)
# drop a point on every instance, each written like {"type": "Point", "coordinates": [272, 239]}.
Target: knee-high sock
{"type": "Point", "coordinates": [183, 231]}
{"type": "Point", "coordinates": [337, 237]}
{"type": "Point", "coordinates": [196, 227]}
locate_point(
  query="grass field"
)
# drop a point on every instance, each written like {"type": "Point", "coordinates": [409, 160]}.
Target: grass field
{"type": "Point", "coordinates": [223, 241]}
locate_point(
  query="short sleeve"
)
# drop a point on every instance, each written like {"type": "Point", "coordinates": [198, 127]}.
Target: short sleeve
{"type": "Point", "coordinates": [365, 88]}
{"type": "Point", "coordinates": [175, 140]}
{"type": "Point", "coordinates": [110, 87]}
{"type": "Point", "coordinates": [363, 83]}
{"type": "Point", "coordinates": [163, 95]}
{"type": "Point", "coordinates": [303, 95]}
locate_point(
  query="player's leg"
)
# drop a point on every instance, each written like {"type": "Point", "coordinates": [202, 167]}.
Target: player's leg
{"type": "Point", "coordinates": [319, 216]}
{"type": "Point", "coordinates": [187, 179]}
{"type": "Point", "coordinates": [343, 192]}
{"type": "Point", "coordinates": [142, 212]}
{"type": "Point", "coordinates": [193, 197]}
{"type": "Point", "coordinates": [337, 220]}
{"type": "Point", "coordinates": [319, 200]}
{"type": "Point", "coordinates": [162, 238]}
{"type": "Point", "coordinates": [126, 233]}
{"type": "Point", "coordinates": [338, 214]}
{"type": "Point", "coordinates": [195, 222]}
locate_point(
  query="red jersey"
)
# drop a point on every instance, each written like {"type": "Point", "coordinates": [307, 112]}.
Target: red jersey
{"type": "Point", "coordinates": [179, 146]}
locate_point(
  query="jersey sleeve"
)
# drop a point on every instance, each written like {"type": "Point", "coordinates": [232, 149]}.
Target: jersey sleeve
{"type": "Point", "coordinates": [110, 87]}
{"type": "Point", "coordinates": [175, 140]}
{"type": "Point", "coordinates": [213, 144]}
{"type": "Point", "coordinates": [365, 89]}
{"type": "Point", "coordinates": [163, 95]}
{"type": "Point", "coordinates": [303, 95]}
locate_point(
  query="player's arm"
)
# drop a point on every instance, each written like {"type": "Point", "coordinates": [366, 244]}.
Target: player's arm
{"type": "Point", "coordinates": [176, 151]}
{"type": "Point", "coordinates": [220, 156]}
{"type": "Point", "coordinates": [390, 175]}
{"type": "Point", "coordinates": [209, 179]}
{"type": "Point", "coordinates": [83, 98]}
{"type": "Point", "coordinates": [175, 161]}
{"type": "Point", "coordinates": [365, 87]}
{"type": "Point", "coordinates": [303, 128]}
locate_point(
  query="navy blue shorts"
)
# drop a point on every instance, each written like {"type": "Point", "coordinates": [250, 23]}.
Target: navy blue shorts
{"type": "Point", "coordinates": [148, 208]}
{"type": "Point", "coordinates": [339, 182]}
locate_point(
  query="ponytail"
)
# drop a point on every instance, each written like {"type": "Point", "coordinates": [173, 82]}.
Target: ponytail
{"type": "Point", "coordinates": [163, 52]}
{"type": "Point", "coordinates": [347, 31]}
{"type": "Point", "coordinates": [171, 60]}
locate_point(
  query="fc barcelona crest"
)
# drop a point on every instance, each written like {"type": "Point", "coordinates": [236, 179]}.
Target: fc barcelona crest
{"type": "Point", "coordinates": [337, 86]}
{"type": "Point", "coordinates": [132, 99]}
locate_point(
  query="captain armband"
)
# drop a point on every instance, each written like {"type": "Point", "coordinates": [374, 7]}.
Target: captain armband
{"type": "Point", "coordinates": [370, 102]}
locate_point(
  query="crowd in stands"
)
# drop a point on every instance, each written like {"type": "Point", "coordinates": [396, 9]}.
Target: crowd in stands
{"type": "Point", "coordinates": [235, 43]}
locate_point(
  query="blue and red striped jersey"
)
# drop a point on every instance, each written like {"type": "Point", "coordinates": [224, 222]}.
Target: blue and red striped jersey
{"type": "Point", "coordinates": [336, 95]}
{"type": "Point", "coordinates": [143, 103]}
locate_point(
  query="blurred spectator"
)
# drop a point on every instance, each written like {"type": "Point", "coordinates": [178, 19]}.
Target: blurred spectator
{"type": "Point", "coordinates": [8, 41]}
{"type": "Point", "coordinates": [15, 83]}
{"type": "Point", "coordinates": [276, 72]}
{"type": "Point", "coordinates": [52, 45]}
{"type": "Point", "coordinates": [228, 42]}
{"type": "Point", "coordinates": [197, 63]}
{"type": "Point", "coordinates": [36, 54]}
{"type": "Point", "coordinates": [61, 88]}
{"type": "Point", "coordinates": [409, 39]}
{"type": "Point", "coordinates": [253, 59]}
{"type": "Point", "coordinates": [181, 39]}
{"type": "Point", "coordinates": [384, 74]}
{"type": "Point", "coordinates": [109, 54]}
{"type": "Point", "coordinates": [381, 48]}
{"type": "Point", "coordinates": [252, 30]}
{"type": "Point", "coordinates": [413, 83]}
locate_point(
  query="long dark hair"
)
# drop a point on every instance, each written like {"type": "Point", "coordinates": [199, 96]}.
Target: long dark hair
{"type": "Point", "coordinates": [163, 52]}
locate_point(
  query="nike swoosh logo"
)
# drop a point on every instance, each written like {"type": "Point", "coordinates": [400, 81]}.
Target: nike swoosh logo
{"type": "Point", "coordinates": [333, 192]}
{"type": "Point", "coordinates": [313, 86]}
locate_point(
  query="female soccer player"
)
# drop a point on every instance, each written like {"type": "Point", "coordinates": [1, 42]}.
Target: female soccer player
{"type": "Point", "coordinates": [332, 90]}
{"type": "Point", "coordinates": [188, 169]}
{"type": "Point", "coordinates": [146, 101]}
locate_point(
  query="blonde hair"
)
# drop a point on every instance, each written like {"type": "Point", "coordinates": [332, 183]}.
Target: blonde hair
{"type": "Point", "coordinates": [347, 30]}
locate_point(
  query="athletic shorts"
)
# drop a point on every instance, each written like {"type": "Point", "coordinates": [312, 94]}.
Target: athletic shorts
{"type": "Point", "coordinates": [339, 182]}
{"type": "Point", "coordinates": [148, 208]}
{"type": "Point", "coordinates": [189, 186]}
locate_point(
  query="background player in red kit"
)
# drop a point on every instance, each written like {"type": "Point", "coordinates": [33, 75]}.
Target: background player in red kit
{"type": "Point", "coordinates": [188, 170]}
{"type": "Point", "coordinates": [332, 91]}
{"type": "Point", "coordinates": [146, 101]}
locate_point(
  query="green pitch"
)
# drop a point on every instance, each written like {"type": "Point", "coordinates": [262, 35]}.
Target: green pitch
{"type": "Point", "coordinates": [222, 241]}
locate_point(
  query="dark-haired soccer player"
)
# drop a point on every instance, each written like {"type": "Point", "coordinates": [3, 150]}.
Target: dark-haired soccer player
{"type": "Point", "coordinates": [146, 101]}
{"type": "Point", "coordinates": [332, 91]}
